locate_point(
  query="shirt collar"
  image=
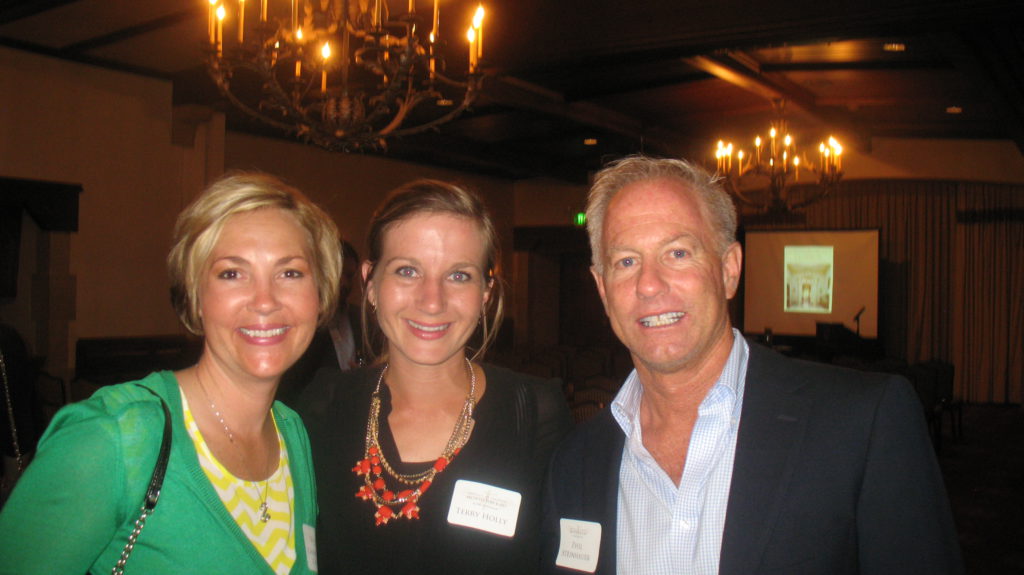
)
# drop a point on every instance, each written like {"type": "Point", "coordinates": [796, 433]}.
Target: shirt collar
{"type": "Point", "coordinates": [626, 405]}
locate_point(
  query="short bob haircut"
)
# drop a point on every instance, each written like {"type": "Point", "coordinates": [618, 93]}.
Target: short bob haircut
{"type": "Point", "coordinates": [199, 227]}
{"type": "Point", "coordinates": [435, 197]}
{"type": "Point", "coordinates": [718, 208]}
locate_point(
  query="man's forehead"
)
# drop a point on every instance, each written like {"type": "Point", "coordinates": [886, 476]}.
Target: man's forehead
{"type": "Point", "coordinates": [654, 200]}
{"type": "Point", "coordinates": [653, 193]}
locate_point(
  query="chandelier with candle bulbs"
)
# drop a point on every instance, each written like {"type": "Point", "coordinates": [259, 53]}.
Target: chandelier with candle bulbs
{"type": "Point", "coordinates": [761, 176]}
{"type": "Point", "coordinates": [345, 75]}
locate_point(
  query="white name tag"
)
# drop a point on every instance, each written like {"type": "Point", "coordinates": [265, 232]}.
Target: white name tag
{"type": "Point", "coordinates": [485, 507]}
{"type": "Point", "coordinates": [309, 537]}
{"type": "Point", "coordinates": [578, 544]}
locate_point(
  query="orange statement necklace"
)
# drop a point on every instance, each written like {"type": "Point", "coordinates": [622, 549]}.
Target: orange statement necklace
{"type": "Point", "coordinates": [403, 503]}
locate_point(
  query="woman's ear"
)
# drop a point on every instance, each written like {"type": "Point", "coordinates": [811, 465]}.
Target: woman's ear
{"type": "Point", "coordinates": [487, 291]}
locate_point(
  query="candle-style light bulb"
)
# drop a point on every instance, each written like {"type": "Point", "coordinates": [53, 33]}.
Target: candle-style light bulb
{"type": "Point", "coordinates": [434, 31]}
{"type": "Point", "coordinates": [837, 151]}
{"type": "Point", "coordinates": [478, 25]}
{"type": "Point", "coordinates": [221, 14]}
{"type": "Point", "coordinates": [471, 36]}
{"type": "Point", "coordinates": [241, 21]}
{"type": "Point", "coordinates": [326, 53]}
{"type": "Point", "coordinates": [213, 22]}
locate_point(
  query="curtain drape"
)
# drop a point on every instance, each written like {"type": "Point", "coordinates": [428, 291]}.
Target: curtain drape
{"type": "Point", "coordinates": [951, 275]}
{"type": "Point", "coordinates": [988, 331]}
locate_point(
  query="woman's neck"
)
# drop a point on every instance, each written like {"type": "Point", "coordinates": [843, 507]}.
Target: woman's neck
{"type": "Point", "coordinates": [427, 384]}
{"type": "Point", "coordinates": [427, 403]}
{"type": "Point", "coordinates": [234, 418]}
{"type": "Point", "coordinates": [244, 405]}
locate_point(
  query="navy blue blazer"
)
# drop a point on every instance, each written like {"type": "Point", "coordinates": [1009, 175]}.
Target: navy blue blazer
{"type": "Point", "coordinates": [834, 474]}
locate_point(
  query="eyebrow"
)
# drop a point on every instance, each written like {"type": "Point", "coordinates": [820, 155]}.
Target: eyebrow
{"type": "Point", "coordinates": [416, 262]}
{"type": "Point", "coordinates": [685, 236]}
{"type": "Point", "coordinates": [238, 260]}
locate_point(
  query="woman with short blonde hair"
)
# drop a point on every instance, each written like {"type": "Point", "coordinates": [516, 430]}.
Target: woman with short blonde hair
{"type": "Point", "coordinates": [253, 270]}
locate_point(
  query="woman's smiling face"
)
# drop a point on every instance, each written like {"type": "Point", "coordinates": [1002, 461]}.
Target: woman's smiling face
{"type": "Point", "coordinates": [258, 298]}
{"type": "Point", "coordinates": [429, 287]}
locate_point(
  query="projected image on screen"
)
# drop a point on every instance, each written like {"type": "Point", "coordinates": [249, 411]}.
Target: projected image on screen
{"type": "Point", "coordinates": [808, 279]}
{"type": "Point", "coordinates": [797, 280]}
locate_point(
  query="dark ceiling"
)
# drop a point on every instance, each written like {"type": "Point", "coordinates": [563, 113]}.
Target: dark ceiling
{"type": "Point", "coordinates": [662, 77]}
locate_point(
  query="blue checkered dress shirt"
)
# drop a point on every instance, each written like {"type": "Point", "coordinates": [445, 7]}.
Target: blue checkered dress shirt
{"type": "Point", "coordinates": [668, 529]}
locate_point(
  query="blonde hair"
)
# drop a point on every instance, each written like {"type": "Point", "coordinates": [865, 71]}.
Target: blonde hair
{"type": "Point", "coordinates": [199, 227]}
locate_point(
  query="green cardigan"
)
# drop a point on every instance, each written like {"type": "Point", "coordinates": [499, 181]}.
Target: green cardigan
{"type": "Point", "coordinates": [75, 506]}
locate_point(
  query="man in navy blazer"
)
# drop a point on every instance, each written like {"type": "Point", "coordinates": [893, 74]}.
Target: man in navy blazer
{"type": "Point", "coordinates": [718, 456]}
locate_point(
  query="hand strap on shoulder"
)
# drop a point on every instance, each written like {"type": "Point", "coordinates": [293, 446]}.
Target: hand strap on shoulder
{"type": "Point", "coordinates": [153, 492]}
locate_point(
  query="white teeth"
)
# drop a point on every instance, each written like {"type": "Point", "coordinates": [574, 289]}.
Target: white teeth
{"type": "Point", "coordinates": [422, 327]}
{"type": "Point", "coordinates": [263, 332]}
{"type": "Point", "coordinates": [662, 319]}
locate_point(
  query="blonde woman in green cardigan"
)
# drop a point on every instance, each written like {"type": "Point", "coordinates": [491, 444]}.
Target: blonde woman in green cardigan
{"type": "Point", "coordinates": [254, 267]}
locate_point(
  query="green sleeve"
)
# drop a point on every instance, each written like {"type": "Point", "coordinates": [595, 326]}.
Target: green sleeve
{"type": "Point", "coordinates": [65, 509]}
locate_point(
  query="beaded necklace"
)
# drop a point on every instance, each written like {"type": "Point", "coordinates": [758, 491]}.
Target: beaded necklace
{"type": "Point", "coordinates": [391, 505]}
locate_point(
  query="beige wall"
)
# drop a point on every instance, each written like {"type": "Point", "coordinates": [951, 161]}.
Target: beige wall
{"type": "Point", "coordinates": [111, 133]}
{"type": "Point", "coordinates": [961, 160]}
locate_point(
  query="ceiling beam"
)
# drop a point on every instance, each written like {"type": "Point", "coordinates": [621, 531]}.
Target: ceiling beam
{"type": "Point", "coordinates": [743, 71]}
{"type": "Point", "coordinates": [520, 94]}
{"type": "Point", "coordinates": [13, 10]}
{"type": "Point", "coordinates": [135, 31]}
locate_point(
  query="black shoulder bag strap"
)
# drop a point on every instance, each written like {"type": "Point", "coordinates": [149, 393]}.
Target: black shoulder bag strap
{"type": "Point", "coordinates": [153, 493]}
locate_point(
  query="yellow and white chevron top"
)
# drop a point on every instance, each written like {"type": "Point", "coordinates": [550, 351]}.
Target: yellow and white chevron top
{"type": "Point", "coordinates": [275, 539]}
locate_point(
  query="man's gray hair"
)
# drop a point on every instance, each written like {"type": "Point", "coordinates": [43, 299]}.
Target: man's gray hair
{"type": "Point", "coordinates": [715, 202]}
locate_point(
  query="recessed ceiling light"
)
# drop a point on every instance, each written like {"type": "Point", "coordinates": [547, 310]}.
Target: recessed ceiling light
{"type": "Point", "coordinates": [590, 141]}
{"type": "Point", "coordinates": [954, 110]}
{"type": "Point", "coordinates": [894, 47]}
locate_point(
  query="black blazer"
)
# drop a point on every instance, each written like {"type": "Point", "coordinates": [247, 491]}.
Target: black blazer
{"type": "Point", "coordinates": [834, 473]}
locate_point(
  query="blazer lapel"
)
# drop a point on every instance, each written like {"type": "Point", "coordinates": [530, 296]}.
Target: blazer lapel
{"type": "Point", "coordinates": [771, 434]}
{"type": "Point", "coordinates": [601, 484]}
